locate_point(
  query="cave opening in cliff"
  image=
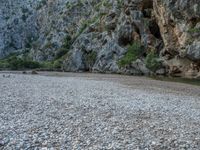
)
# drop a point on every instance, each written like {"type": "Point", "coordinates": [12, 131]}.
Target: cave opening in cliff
{"type": "Point", "coordinates": [154, 29]}
{"type": "Point", "coordinates": [147, 4]}
{"type": "Point", "coordinates": [147, 7]}
{"type": "Point", "coordinates": [194, 21]}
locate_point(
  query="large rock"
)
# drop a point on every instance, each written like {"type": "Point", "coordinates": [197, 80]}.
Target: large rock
{"type": "Point", "coordinates": [193, 51]}
{"type": "Point", "coordinates": [98, 45]}
{"type": "Point", "coordinates": [179, 21]}
{"type": "Point", "coordinates": [76, 62]}
{"type": "Point", "coordinates": [176, 18]}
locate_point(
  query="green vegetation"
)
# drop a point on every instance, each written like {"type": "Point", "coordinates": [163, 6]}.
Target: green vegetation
{"type": "Point", "coordinates": [61, 52]}
{"type": "Point", "coordinates": [91, 58]}
{"type": "Point", "coordinates": [152, 62]}
{"type": "Point", "coordinates": [107, 4]}
{"type": "Point", "coordinates": [30, 41]}
{"type": "Point", "coordinates": [22, 61]}
{"type": "Point", "coordinates": [67, 42]}
{"type": "Point", "coordinates": [119, 4]}
{"type": "Point", "coordinates": [134, 51]}
{"type": "Point", "coordinates": [104, 3]}
{"type": "Point", "coordinates": [64, 48]}
{"type": "Point", "coordinates": [47, 65]}
{"type": "Point", "coordinates": [70, 5]}
{"type": "Point", "coordinates": [4, 64]}
{"type": "Point", "coordinates": [87, 23]}
{"type": "Point", "coordinates": [16, 63]}
{"type": "Point", "coordinates": [98, 6]}
{"type": "Point", "coordinates": [58, 64]}
{"type": "Point", "coordinates": [194, 30]}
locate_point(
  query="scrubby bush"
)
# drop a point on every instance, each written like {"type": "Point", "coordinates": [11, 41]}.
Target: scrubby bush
{"type": "Point", "coordinates": [152, 62]}
{"type": "Point", "coordinates": [64, 48]}
{"type": "Point", "coordinates": [61, 52]}
{"type": "Point", "coordinates": [91, 58]}
{"type": "Point", "coordinates": [31, 64]}
{"type": "Point", "coordinates": [4, 64]}
{"type": "Point", "coordinates": [134, 51]}
{"type": "Point", "coordinates": [58, 64]}
{"type": "Point", "coordinates": [86, 23]}
{"type": "Point", "coordinates": [67, 42]}
{"type": "Point", "coordinates": [194, 30]}
{"type": "Point", "coordinates": [47, 65]}
{"type": "Point", "coordinates": [119, 4]}
{"type": "Point", "coordinates": [15, 63]}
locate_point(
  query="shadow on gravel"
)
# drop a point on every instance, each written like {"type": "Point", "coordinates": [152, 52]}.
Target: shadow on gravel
{"type": "Point", "coordinates": [179, 80]}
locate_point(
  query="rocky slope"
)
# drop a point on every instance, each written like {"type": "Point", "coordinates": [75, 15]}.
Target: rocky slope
{"type": "Point", "coordinates": [95, 35]}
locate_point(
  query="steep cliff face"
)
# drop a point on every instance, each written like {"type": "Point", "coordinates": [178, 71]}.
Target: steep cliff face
{"type": "Point", "coordinates": [17, 25]}
{"type": "Point", "coordinates": [130, 36]}
{"type": "Point", "coordinates": [179, 23]}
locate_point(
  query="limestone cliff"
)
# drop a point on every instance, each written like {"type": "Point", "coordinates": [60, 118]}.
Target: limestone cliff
{"type": "Point", "coordinates": [179, 23]}
{"type": "Point", "coordinates": [119, 36]}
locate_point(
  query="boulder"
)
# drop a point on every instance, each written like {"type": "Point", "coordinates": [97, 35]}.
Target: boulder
{"type": "Point", "coordinates": [193, 51]}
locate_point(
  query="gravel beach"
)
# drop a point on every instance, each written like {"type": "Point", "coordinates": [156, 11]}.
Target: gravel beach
{"type": "Point", "coordinates": [93, 111]}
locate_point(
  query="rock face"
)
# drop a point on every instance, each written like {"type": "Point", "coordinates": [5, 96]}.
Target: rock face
{"type": "Point", "coordinates": [97, 34]}
{"type": "Point", "coordinates": [18, 26]}
{"type": "Point", "coordinates": [179, 23]}
{"type": "Point", "coordinates": [193, 51]}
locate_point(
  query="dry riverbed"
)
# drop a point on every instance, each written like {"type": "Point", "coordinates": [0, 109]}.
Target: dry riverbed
{"type": "Point", "coordinates": [95, 111]}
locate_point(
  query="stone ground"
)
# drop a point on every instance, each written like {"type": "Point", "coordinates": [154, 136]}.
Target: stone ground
{"type": "Point", "coordinates": [94, 111]}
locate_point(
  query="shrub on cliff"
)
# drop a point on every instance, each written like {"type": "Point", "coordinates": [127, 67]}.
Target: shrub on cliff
{"type": "Point", "coordinates": [61, 52]}
{"type": "Point", "coordinates": [134, 51]}
{"type": "Point", "coordinates": [4, 64]}
{"type": "Point", "coordinates": [91, 58]}
{"type": "Point", "coordinates": [58, 64]}
{"type": "Point", "coordinates": [16, 63]}
{"type": "Point", "coordinates": [152, 62]}
{"type": "Point", "coordinates": [64, 48]}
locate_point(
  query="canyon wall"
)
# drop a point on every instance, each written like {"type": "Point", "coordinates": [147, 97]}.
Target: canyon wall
{"type": "Point", "coordinates": [138, 37]}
